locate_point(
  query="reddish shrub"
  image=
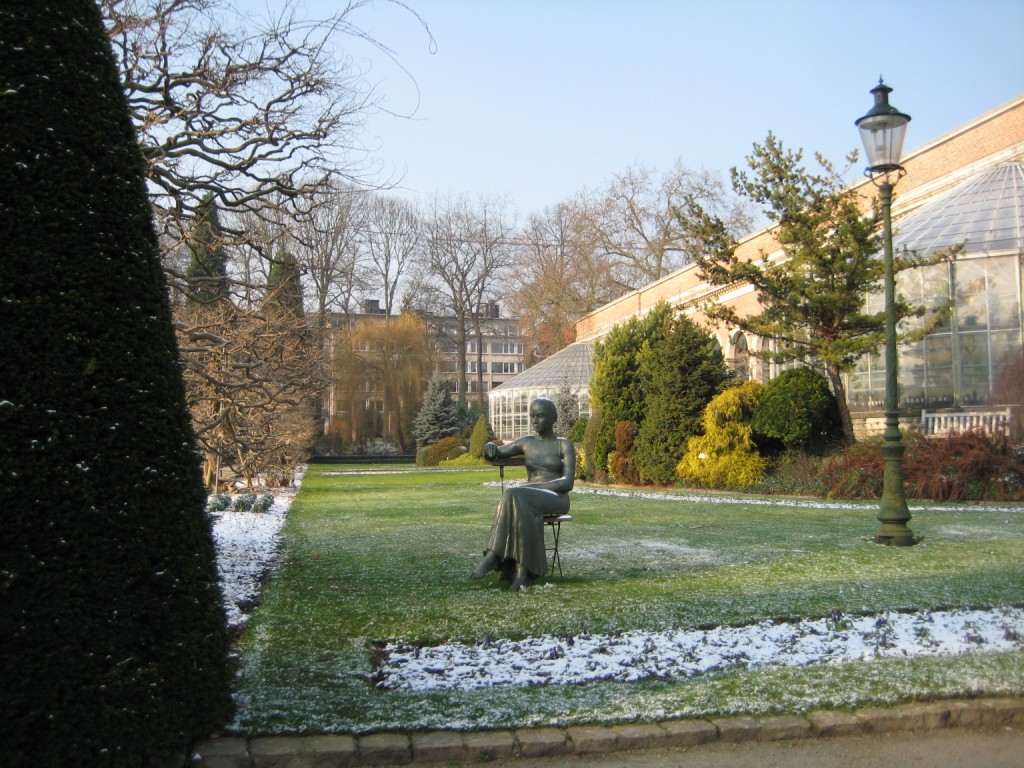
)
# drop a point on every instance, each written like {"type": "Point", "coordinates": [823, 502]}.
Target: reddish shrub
{"type": "Point", "coordinates": [621, 462]}
{"type": "Point", "coordinates": [971, 466]}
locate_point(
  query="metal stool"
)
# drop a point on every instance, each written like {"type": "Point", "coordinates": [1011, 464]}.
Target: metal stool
{"type": "Point", "coordinates": [555, 524]}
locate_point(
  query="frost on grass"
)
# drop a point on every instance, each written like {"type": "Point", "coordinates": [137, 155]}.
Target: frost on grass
{"type": "Point", "coordinates": [247, 544]}
{"type": "Point", "coordinates": [677, 653]}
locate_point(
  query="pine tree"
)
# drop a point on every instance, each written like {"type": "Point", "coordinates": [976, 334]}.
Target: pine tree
{"type": "Point", "coordinates": [113, 642]}
{"type": "Point", "coordinates": [814, 301]}
{"type": "Point", "coordinates": [438, 417]}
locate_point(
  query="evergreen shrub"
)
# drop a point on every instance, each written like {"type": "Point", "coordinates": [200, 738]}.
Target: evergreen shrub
{"type": "Point", "coordinates": [446, 448]}
{"type": "Point", "coordinates": [421, 456]}
{"type": "Point", "coordinates": [617, 384]}
{"type": "Point", "coordinates": [681, 372]}
{"type": "Point", "coordinates": [481, 434]}
{"type": "Point", "coordinates": [798, 408]}
{"type": "Point", "coordinates": [578, 430]}
{"type": "Point", "coordinates": [467, 459]}
{"type": "Point", "coordinates": [251, 502]}
{"type": "Point", "coordinates": [725, 456]}
{"type": "Point", "coordinates": [220, 502]}
{"type": "Point", "coordinates": [593, 470]}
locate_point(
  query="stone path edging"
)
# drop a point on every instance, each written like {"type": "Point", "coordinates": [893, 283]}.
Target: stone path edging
{"type": "Point", "coordinates": [434, 747]}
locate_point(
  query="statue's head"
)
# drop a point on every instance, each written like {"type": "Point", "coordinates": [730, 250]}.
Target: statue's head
{"type": "Point", "coordinates": [547, 404]}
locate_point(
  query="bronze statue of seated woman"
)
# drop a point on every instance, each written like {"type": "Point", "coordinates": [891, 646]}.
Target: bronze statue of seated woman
{"type": "Point", "coordinates": [516, 545]}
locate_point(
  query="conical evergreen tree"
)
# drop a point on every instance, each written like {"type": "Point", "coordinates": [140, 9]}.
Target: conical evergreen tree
{"type": "Point", "coordinates": [567, 404]}
{"type": "Point", "coordinates": [207, 269]}
{"type": "Point", "coordinates": [113, 643]}
{"type": "Point", "coordinates": [481, 434]}
{"type": "Point", "coordinates": [284, 284]}
{"type": "Point", "coordinates": [438, 417]}
{"type": "Point", "coordinates": [679, 376]}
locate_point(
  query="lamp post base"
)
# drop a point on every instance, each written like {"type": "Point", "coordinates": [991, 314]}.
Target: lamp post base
{"type": "Point", "coordinates": [893, 513]}
{"type": "Point", "coordinates": [904, 538]}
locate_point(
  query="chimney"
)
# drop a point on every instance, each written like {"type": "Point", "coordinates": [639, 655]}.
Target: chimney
{"type": "Point", "coordinates": [372, 307]}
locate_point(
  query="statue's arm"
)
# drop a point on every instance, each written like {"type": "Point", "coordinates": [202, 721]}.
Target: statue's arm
{"type": "Point", "coordinates": [492, 451]}
{"type": "Point", "coordinates": [568, 461]}
{"type": "Point", "coordinates": [565, 483]}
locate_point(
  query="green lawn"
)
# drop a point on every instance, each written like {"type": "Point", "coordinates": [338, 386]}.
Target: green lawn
{"type": "Point", "coordinates": [373, 557]}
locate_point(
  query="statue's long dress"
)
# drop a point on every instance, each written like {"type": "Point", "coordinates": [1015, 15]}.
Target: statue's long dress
{"type": "Point", "coordinates": [517, 534]}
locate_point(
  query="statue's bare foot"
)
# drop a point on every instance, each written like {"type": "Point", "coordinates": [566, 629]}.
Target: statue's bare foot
{"type": "Point", "coordinates": [521, 578]}
{"type": "Point", "coordinates": [489, 563]}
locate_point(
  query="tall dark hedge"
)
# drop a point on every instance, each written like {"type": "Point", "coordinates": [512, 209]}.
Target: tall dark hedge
{"type": "Point", "coordinates": [680, 375]}
{"type": "Point", "coordinates": [617, 384]}
{"type": "Point", "coordinates": [113, 644]}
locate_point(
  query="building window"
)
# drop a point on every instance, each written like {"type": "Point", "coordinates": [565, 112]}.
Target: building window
{"type": "Point", "coordinates": [958, 363]}
{"type": "Point", "coordinates": [740, 360]}
{"type": "Point", "coordinates": [506, 348]}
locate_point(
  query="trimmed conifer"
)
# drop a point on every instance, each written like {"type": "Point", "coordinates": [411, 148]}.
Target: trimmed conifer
{"type": "Point", "coordinates": [113, 643]}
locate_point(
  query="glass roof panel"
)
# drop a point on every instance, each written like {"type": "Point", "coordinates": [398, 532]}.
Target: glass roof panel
{"type": "Point", "coordinates": [986, 212]}
{"type": "Point", "coordinates": [574, 365]}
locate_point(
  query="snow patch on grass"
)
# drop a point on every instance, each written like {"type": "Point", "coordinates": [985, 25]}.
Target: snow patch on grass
{"type": "Point", "coordinates": [675, 653]}
{"type": "Point", "coordinates": [247, 544]}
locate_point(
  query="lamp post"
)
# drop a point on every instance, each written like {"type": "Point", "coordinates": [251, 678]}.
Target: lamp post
{"type": "Point", "coordinates": [882, 130]}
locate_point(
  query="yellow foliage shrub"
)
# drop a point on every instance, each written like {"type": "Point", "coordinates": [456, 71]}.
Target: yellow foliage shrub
{"type": "Point", "coordinates": [725, 455]}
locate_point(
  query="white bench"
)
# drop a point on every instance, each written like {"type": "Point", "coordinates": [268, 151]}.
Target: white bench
{"type": "Point", "coordinates": [940, 424]}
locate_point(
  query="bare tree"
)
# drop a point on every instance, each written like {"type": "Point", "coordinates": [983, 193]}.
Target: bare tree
{"type": "Point", "coordinates": [328, 245]}
{"type": "Point", "coordinates": [240, 107]}
{"type": "Point", "coordinates": [634, 223]}
{"type": "Point", "coordinates": [390, 239]}
{"type": "Point", "coordinates": [257, 121]}
{"type": "Point", "coordinates": [466, 250]}
{"type": "Point", "coordinates": [248, 375]}
{"type": "Point", "coordinates": [559, 278]}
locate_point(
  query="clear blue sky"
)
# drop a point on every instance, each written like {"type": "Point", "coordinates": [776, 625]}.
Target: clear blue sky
{"type": "Point", "coordinates": [538, 99]}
